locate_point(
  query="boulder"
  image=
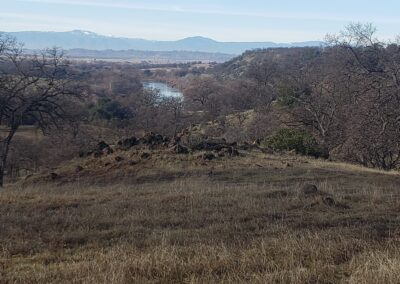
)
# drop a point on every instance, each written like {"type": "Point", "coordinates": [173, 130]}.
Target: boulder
{"type": "Point", "coordinates": [127, 143]}
{"type": "Point", "coordinates": [212, 145]}
{"type": "Point", "coordinates": [153, 139]}
{"type": "Point", "coordinates": [208, 156]}
{"type": "Point", "coordinates": [132, 163]}
{"type": "Point", "coordinates": [309, 189]}
{"type": "Point", "coordinates": [101, 146]}
{"type": "Point", "coordinates": [179, 149]}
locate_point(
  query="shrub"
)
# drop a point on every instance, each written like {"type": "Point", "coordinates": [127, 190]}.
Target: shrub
{"type": "Point", "coordinates": [107, 109]}
{"type": "Point", "coordinates": [295, 140]}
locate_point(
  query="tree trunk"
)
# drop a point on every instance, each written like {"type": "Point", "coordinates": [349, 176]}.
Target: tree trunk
{"type": "Point", "coordinates": [4, 149]}
{"type": "Point", "coordinates": [3, 159]}
{"type": "Point", "coordinates": [1, 176]}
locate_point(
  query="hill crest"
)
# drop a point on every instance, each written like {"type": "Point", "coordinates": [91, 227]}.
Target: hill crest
{"type": "Point", "coordinates": [81, 39]}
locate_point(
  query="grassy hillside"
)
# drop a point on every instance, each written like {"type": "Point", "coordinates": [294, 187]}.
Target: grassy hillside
{"type": "Point", "coordinates": [171, 218]}
{"type": "Point", "coordinates": [285, 58]}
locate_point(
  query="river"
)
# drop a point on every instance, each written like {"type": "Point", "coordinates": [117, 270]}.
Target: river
{"type": "Point", "coordinates": [165, 90]}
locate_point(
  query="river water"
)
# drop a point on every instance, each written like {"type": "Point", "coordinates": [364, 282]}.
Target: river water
{"type": "Point", "coordinates": [164, 89]}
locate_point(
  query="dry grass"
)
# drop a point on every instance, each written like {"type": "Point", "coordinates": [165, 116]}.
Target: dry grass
{"type": "Point", "coordinates": [245, 221]}
{"type": "Point", "coordinates": [26, 132]}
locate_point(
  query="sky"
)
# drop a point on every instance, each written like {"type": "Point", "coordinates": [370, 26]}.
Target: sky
{"type": "Point", "coordinates": [223, 20]}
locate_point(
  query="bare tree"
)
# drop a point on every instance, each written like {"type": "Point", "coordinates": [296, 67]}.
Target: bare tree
{"type": "Point", "coordinates": [354, 97]}
{"type": "Point", "coordinates": [263, 72]}
{"type": "Point", "coordinates": [34, 89]}
{"type": "Point", "coordinates": [173, 107]}
{"type": "Point", "coordinates": [200, 90]}
{"type": "Point", "coordinates": [320, 97]}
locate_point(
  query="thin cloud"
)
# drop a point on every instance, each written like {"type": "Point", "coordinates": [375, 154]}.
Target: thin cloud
{"type": "Point", "coordinates": [179, 9]}
{"type": "Point", "coordinates": [50, 23]}
{"type": "Point", "coordinates": [42, 18]}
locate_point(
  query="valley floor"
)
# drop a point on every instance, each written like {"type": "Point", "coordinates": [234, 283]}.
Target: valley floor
{"type": "Point", "coordinates": [246, 221]}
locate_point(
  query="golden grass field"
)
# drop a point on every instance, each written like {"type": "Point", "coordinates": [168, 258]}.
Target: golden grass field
{"type": "Point", "coordinates": [236, 220]}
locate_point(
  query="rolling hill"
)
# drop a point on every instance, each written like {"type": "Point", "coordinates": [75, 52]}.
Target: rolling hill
{"type": "Point", "coordinates": [78, 39]}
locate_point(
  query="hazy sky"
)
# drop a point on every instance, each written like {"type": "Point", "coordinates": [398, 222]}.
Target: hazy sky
{"type": "Point", "coordinates": [225, 20]}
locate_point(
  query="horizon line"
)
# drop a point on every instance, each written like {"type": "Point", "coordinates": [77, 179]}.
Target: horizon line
{"type": "Point", "coordinates": [158, 40]}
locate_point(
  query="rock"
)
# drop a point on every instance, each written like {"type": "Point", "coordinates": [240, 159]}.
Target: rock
{"type": "Point", "coordinates": [53, 176]}
{"type": "Point", "coordinates": [107, 151]}
{"type": "Point", "coordinates": [145, 156]}
{"type": "Point", "coordinates": [78, 169]}
{"type": "Point", "coordinates": [127, 143]}
{"type": "Point", "coordinates": [179, 149]}
{"type": "Point", "coordinates": [118, 159]}
{"type": "Point", "coordinates": [102, 148]}
{"type": "Point", "coordinates": [153, 139]}
{"type": "Point", "coordinates": [329, 201]}
{"type": "Point", "coordinates": [208, 156]}
{"type": "Point", "coordinates": [309, 189]}
{"type": "Point", "coordinates": [102, 145]}
{"type": "Point", "coordinates": [213, 145]}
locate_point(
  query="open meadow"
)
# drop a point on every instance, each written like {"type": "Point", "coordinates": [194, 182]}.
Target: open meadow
{"type": "Point", "coordinates": [244, 219]}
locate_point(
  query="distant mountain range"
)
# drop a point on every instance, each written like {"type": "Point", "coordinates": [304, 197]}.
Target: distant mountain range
{"type": "Point", "coordinates": [78, 39]}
